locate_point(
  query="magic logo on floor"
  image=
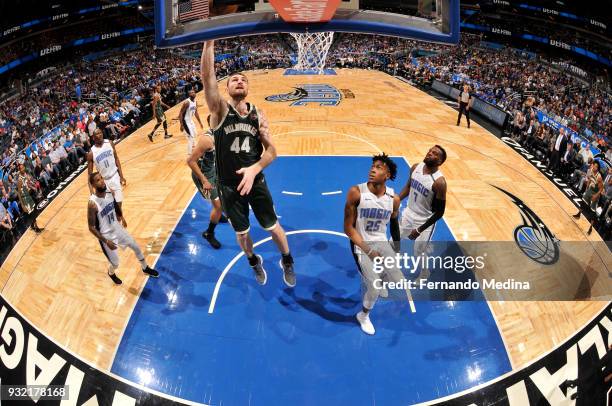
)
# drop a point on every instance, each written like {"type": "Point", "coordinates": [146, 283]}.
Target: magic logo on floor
{"type": "Point", "coordinates": [533, 237]}
{"type": "Point", "coordinates": [320, 94]}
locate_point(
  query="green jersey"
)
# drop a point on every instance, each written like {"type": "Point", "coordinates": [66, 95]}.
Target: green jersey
{"type": "Point", "coordinates": [207, 161]}
{"type": "Point", "coordinates": [237, 144]}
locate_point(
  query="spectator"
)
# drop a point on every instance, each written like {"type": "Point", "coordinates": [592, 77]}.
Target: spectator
{"type": "Point", "coordinates": [560, 147]}
{"type": "Point", "coordinates": [9, 203]}
{"type": "Point", "coordinates": [594, 188]}
{"type": "Point", "coordinates": [58, 157]}
{"type": "Point", "coordinates": [26, 188]}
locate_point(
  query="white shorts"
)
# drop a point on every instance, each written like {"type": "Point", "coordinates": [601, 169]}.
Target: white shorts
{"type": "Point", "coordinates": [122, 239]}
{"type": "Point", "coordinates": [370, 272]}
{"type": "Point", "coordinates": [189, 130]}
{"type": "Point", "coordinates": [114, 185]}
{"type": "Point", "coordinates": [373, 275]}
{"type": "Point", "coordinates": [422, 242]}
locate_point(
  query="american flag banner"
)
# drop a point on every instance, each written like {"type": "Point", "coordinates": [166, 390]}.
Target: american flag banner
{"type": "Point", "coordinates": [192, 10]}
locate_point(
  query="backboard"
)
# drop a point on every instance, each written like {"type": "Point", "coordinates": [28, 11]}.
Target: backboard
{"type": "Point", "coordinates": [183, 22]}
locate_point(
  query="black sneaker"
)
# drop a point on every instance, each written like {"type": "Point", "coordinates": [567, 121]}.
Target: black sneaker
{"type": "Point", "coordinates": [223, 219]}
{"type": "Point", "coordinates": [37, 230]}
{"type": "Point", "coordinates": [210, 237]}
{"type": "Point", "coordinates": [150, 137]}
{"type": "Point", "coordinates": [288, 273]}
{"type": "Point", "coordinates": [151, 272]}
{"type": "Point", "coordinates": [115, 279]}
{"type": "Point", "coordinates": [260, 272]}
{"type": "Point", "coordinates": [167, 136]}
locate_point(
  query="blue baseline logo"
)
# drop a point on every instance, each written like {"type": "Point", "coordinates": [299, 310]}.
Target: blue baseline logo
{"type": "Point", "coordinates": [320, 94]}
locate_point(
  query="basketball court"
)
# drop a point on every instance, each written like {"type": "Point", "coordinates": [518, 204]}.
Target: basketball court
{"type": "Point", "coordinates": [206, 332]}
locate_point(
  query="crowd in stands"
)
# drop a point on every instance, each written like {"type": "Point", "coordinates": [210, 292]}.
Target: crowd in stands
{"type": "Point", "coordinates": [44, 133]}
{"type": "Point", "coordinates": [62, 36]}
{"type": "Point", "coordinates": [522, 86]}
{"type": "Point", "coordinates": [502, 77]}
{"type": "Point", "coordinates": [523, 25]}
{"type": "Point", "coordinates": [570, 161]}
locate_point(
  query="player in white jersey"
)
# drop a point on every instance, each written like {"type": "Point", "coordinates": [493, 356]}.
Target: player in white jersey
{"type": "Point", "coordinates": [106, 161]}
{"type": "Point", "coordinates": [189, 109]}
{"type": "Point", "coordinates": [426, 192]}
{"type": "Point", "coordinates": [106, 223]}
{"type": "Point", "coordinates": [369, 208]}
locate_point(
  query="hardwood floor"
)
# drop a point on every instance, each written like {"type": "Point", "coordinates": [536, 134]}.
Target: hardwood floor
{"type": "Point", "coordinates": [58, 281]}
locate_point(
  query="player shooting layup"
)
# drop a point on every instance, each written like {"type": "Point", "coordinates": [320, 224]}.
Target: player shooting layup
{"type": "Point", "coordinates": [241, 133]}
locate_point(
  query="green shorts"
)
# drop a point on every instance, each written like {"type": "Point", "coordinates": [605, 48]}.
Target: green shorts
{"type": "Point", "coordinates": [236, 207]}
{"type": "Point", "coordinates": [212, 178]}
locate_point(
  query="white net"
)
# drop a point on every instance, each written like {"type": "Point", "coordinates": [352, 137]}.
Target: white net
{"type": "Point", "coordinates": [312, 50]}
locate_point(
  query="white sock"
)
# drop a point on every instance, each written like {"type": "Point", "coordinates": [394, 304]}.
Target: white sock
{"type": "Point", "coordinates": [190, 144]}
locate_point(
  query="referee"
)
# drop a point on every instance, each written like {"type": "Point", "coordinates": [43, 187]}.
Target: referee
{"type": "Point", "coordinates": [465, 102]}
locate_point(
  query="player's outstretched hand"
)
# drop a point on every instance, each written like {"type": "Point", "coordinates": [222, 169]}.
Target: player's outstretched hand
{"type": "Point", "coordinates": [123, 222]}
{"type": "Point", "coordinates": [123, 181]}
{"type": "Point", "coordinates": [414, 234]}
{"type": "Point", "coordinates": [248, 176]}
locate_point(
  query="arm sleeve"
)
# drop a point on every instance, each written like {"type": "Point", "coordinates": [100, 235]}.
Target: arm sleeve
{"type": "Point", "coordinates": [395, 230]}
{"type": "Point", "coordinates": [438, 206]}
{"type": "Point", "coordinates": [117, 209]}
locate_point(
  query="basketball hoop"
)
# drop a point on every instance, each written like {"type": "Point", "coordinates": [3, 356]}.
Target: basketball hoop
{"type": "Point", "coordinates": [312, 50]}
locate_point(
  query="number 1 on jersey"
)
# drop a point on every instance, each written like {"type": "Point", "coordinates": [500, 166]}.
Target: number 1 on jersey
{"type": "Point", "coordinates": [235, 147]}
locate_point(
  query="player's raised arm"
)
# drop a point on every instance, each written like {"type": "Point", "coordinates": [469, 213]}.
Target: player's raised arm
{"type": "Point", "coordinates": [215, 102]}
